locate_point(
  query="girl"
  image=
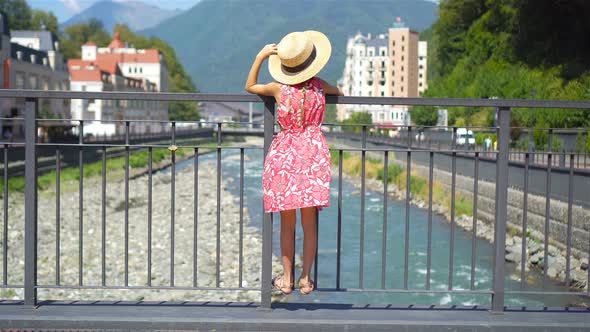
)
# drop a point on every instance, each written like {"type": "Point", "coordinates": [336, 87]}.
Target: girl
{"type": "Point", "coordinates": [297, 166]}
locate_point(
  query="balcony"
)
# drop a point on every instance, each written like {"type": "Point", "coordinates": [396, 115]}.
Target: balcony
{"type": "Point", "coordinates": [363, 256]}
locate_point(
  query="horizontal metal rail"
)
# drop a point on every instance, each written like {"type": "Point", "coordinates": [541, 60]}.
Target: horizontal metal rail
{"type": "Point", "coordinates": [212, 97]}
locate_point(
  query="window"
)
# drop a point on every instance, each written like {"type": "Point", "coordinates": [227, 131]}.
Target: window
{"type": "Point", "coordinates": [392, 94]}
{"type": "Point", "coordinates": [393, 73]}
{"type": "Point", "coordinates": [361, 53]}
{"type": "Point", "coordinates": [135, 70]}
{"type": "Point", "coordinates": [383, 53]}
{"type": "Point", "coordinates": [383, 74]}
{"type": "Point", "coordinates": [421, 67]}
{"type": "Point", "coordinates": [402, 68]}
{"type": "Point", "coordinates": [371, 64]}
{"type": "Point", "coordinates": [370, 93]}
{"type": "Point", "coordinates": [420, 84]}
{"type": "Point", "coordinates": [130, 70]}
{"type": "Point", "coordinates": [382, 94]}
{"type": "Point", "coordinates": [20, 80]}
{"type": "Point", "coordinates": [392, 52]}
{"type": "Point", "coordinates": [402, 78]}
{"type": "Point", "coordinates": [402, 58]}
{"type": "Point", "coordinates": [393, 43]}
{"type": "Point", "coordinates": [370, 83]}
{"type": "Point", "coordinates": [141, 70]}
{"type": "Point", "coordinates": [403, 48]}
{"type": "Point", "coordinates": [370, 53]}
{"type": "Point", "coordinates": [402, 89]}
{"type": "Point", "coordinates": [360, 83]}
{"type": "Point", "coordinates": [359, 93]}
{"type": "Point", "coordinates": [393, 63]}
{"type": "Point", "coordinates": [421, 58]}
{"type": "Point", "coordinates": [382, 63]}
{"type": "Point", "coordinates": [403, 38]}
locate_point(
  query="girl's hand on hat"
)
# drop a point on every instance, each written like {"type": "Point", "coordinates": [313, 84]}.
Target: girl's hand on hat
{"type": "Point", "coordinates": [267, 51]}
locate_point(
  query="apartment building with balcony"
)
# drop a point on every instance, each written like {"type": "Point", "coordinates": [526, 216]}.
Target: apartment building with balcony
{"type": "Point", "coordinates": [384, 65]}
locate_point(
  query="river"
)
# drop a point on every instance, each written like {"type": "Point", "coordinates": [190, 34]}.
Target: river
{"type": "Point", "coordinates": [373, 227]}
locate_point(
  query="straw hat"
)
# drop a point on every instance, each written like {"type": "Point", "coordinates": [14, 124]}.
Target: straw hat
{"type": "Point", "coordinates": [300, 56]}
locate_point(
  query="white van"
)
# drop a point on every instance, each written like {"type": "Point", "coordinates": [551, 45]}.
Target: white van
{"type": "Point", "coordinates": [465, 138]}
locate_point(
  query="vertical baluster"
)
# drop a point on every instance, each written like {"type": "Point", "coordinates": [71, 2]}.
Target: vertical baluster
{"type": "Point", "coordinates": [5, 226]}
{"type": "Point", "coordinates": [570, 199]}
{"type": "Point", "coordinates": [266, 274]}
{"type": "Point", "coordinates": [501, 213]}
{"type": "Point", "coordinates": [195, 215]}
{"type": "Point", "coordinates": [362, 227]}
{"type": "Point", "coordinates": [31, 106]}
{"type": "Point", "coordinates": [218, 234]}
{"type": "Point", "coordinates": [81, 205]}
{"type": "Point", "coordinates": [57, 216]}
{"type": "Point", "coordinates": [474, 227]}
{"type": "Point", "coordinates": [104, 215]}
{"type": "Point", "coordinates": [547, 208]}
{"type": "Point", "coordinates": [150, 201]}
{"type": "Point", "coordinates": [172, 203]}
{"type": "Point", "coordinates": [408, 196]}
{"type": "Point", "coordinates": [385, 201]}
{"type": "Point", "coordinates": [453, 188]}
{"type": "Point", "coordinates": [429, 249]}
{"type": "Point", "coordinates": [339, 240]}
{"type": "Point", "coordinates": [126, 203]}
{"type": "Point", "coordinates": [525, 210]}
{"type": "Point", "coordinates": [241, 244]}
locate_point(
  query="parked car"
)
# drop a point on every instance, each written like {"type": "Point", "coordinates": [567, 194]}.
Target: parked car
{"type": "Point", "coordinates": [465, 138]}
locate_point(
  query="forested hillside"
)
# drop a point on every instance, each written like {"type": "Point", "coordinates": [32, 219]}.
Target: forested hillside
{"type": "Point", "coordinates": [511, 49]}
{"type": "Point", "coordinates": [217, 40]}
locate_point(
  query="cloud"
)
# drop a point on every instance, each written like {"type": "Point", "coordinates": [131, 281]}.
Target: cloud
{"type": "Point", "coordinates": [72, 5]}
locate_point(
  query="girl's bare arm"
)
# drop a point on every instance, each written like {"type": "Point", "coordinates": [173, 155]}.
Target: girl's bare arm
{"type": "Point", "coordinates": [252, 85]}
{"type": "Point", "coordinates": [330, 89]}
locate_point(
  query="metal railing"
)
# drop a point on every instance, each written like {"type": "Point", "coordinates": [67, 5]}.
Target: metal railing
{"type": "Point", "coordinates": [501, 157]}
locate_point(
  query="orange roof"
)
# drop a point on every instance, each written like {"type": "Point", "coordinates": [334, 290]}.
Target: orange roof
{"type": "Point", "coordinates": [90, 43]}
{"type": "Point", "coordinates": [86, 75]}
{"type": "Point", "coordinates": [117, 43]}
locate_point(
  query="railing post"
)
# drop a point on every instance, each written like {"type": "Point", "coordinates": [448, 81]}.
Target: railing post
{"type": "Point", "coordinates": [30, 201]}
{"type": "Point", "coordinates": [265, 287]}
{"type": "Point", "coordinates": [501, 208]}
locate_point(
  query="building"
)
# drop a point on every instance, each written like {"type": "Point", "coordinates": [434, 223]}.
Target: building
{"type": "Point", "coordinates": [30, 60]}
{"type": "Point", "coordinates": [422, 67]}
{"type": "Point", "coordinates": [384, 65]}
{"type": "Point", "coordinates": [120, 68]}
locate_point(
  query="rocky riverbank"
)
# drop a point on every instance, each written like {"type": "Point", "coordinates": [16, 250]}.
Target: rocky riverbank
{"type": "Point", "coordinates": [161, 230]}
{"type": "Point", "coordinates": [534, 251]}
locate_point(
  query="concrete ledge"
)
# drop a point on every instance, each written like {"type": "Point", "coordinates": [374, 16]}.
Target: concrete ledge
{"type": "Point", "coordinates": [283, 317]}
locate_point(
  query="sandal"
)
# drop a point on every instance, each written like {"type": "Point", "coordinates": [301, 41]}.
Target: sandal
{"type": "Point", "coordinates": [278, 282]}
{"type": "Point", "coordinates": [308, 285]}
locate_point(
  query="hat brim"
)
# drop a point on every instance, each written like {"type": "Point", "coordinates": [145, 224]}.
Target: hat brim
{"type": "Point", "coordinates": [323, 52]}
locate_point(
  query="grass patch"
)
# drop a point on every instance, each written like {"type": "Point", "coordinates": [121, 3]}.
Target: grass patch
{"type": "Point", "coordinates": [137, 159]}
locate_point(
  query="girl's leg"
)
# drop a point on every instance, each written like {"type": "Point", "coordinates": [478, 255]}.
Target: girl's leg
{"type": "Point", "coordinates": [308, 221]}
{"type": "Point", "coordinates": [288, 244]}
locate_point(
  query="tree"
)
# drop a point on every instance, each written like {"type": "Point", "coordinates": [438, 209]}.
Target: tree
{"type": "Point", "coordinates": [180, 81]}
{"type": "Point", "coordinates": [357, 118]}
{"type": "Point", "coordinates": [78, 34]}
{"type": "Point", "coordinates": [18, 13]}
{"type": "Point", "coordinates": [44, 20]}
{"type": "Point", "coordinates": [424, 115]}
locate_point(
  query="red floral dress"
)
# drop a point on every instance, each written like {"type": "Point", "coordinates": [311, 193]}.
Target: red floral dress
{"type": "Point", "coordinates": [297, 166]}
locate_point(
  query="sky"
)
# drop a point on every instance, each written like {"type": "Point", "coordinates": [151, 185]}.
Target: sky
{"type": "Point", "coordinates": [64, 9]}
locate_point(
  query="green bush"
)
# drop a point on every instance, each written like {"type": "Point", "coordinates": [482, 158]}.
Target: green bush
{"type": "Point", "coordinates": [393, 171]}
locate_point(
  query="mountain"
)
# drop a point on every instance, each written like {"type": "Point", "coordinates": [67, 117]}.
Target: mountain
{"type": "Point", "coordinates": [217, 40]}
{"type": "Point", "coordinates": [136, 14]}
